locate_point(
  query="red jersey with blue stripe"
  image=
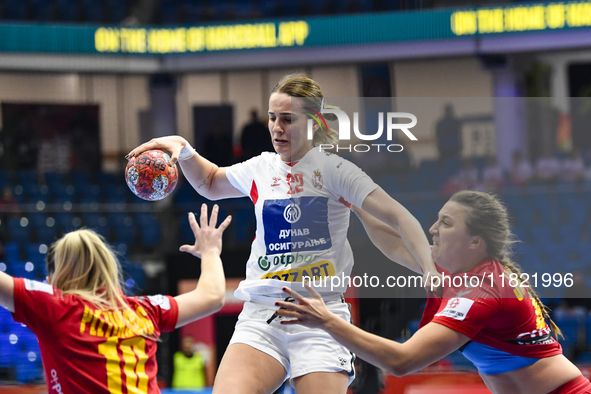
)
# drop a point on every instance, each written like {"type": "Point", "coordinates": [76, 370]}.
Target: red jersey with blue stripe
{"type": "Point", "coordinates": [506, 327]}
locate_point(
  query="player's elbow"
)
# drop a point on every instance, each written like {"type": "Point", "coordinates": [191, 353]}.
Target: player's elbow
{"type": "Point", "coordinates": [398, 370]}
{"type": "Point", "coordinates": [399, 366]}
{"type": "Point", "coordinates": [216, 302]}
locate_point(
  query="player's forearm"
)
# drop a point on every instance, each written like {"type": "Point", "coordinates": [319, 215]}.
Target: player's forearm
{"type": "Point", "coordinates": [212, 282]}
{"type": "Point", "coordinates": [7, 291]}
{"type": "Point", "coordinates": [415, 240]}
{"type": "Point", "coordinates": [387, 240]}
{"type": "Point", "coordinates": [200, 173]}
{"type": "Point", "coordinates": [385, 208]}
{"type": "Point", "coordinates": [381, 352]}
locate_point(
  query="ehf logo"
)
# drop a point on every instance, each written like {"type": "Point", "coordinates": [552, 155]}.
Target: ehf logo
{"type": "Point", "coordinates": [455, 302]}
{"type": "Point", "coordinates": [292, 213]}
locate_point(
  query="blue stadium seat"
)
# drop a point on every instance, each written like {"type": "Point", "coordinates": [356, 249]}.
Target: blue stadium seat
{"type": "Point", "coordinates": [33, 252]}
{"type": "Point", "coordinates": [570, 327]}
{"type": "Point", "coordinates": [569, 234]}
{"type": "Point", "coordinates": [60, 193]}
{"type": "Point", "coordinates": [413, 326]}
{"type": "Point", "coordinates": [542, 235]}
{"type": "Point", "coordinates": [12, 252]}
{"type": "Point", "coordinates": [8, 350]}
{"type": "Point", "coordinates": [97, 222]}
{"type": "Point", "coordinates": [37, 219]}
{"type": "Point", "coordinates": [89, 194]}
{"type": "Point", "coordinates": [543, 206]}
{"type": "Point", "coordinates": [149, 228]}
{"type": "Point", "coordinates": [185, 232]}
{"type": "Point", "coordinates": [47, 234]}
{"type": "Point", "coordinates": [134, 277]}
{"type": "Point", "coordinates": [117, 194]}
{"type": "Point", "coordinates": [244, 225]}
{"type": "Point", "coordinates": [28, 269]}
{"type": "Point", "coordinates": [123, 227]}
{"type": "Point", "coordinates": [19, 229]}
{"type": "Point", "coordinates": [66, 221]}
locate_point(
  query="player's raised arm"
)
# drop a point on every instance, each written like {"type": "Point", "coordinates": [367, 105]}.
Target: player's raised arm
{"type": "Point", "coordinates": [207, 178]}
{"type": "Point", "coordinates": [387, 240]}
{"type": "Point", "coordinates": [383, 207]}
{"type": "Point", "coordinates": [208, 297]}
{"type": "Point", "coordinates": [6, 291]}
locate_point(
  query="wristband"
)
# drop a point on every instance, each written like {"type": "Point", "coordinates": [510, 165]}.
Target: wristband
{"type": "Point", "coordinates": [187, 152]}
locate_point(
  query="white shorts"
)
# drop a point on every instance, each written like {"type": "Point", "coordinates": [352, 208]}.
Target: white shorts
{"type": "Point", "coordinates": [301, 350]}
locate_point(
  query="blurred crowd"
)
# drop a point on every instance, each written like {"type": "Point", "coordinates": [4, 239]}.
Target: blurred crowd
{"type": "Point", "coordinates": [548, 169]}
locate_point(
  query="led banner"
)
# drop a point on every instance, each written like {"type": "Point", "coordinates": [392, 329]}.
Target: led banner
{"type": "Point", "coordinates": [306, 32]}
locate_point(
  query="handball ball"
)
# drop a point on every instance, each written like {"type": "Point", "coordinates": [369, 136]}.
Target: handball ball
{"type": "Point", "coordinates": [149, 176]}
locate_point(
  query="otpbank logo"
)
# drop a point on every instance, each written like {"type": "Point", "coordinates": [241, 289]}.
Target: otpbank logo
{"type": "Point", "coordinates": [392, 123]}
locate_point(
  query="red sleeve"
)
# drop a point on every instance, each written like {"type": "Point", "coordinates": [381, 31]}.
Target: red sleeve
{"type": "Point", "coordinates": [465, 315]}
{"type": "Point", "coordinates": [163, 310]}
{"type": "Point", "coordinates": [431, 308]}
{"type": "Point", "coordinates": [35, 304]}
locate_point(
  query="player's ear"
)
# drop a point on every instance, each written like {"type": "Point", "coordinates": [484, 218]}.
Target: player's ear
{"type": "Point", "coordinates": [48, 279]}
{"type": "Point", "coordinates": [476, 242]}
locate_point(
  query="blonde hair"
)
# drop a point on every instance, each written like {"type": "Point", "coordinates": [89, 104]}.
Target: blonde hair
{"type": "Point", "coordinates": [300, 85]}
{"type": "Point", "coordinates": [82, 263]}
{"type": "Point", "coordinates": [488, 218]}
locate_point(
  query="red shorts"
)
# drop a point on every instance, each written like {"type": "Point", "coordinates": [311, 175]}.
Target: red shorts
{"type": "Point", "coordinates": [580, 385]}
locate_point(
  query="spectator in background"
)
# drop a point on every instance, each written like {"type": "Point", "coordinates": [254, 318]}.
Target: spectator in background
{"type": "Point", "coordinates": [521, 171]}
{"type": "Point", "coordinates": [468, 176]}
{"type": "Point", "coordinates": [189, 366]}
{"type": "Point", "coordinates": [573, 167]}
{"type": "Point", "coordinates": [448, 133]}
{"type": "Point", "coordinates": [8, 202]}
{"type": "Point", "coordinates": [255, 137]}
{"type": "Point", "coordinates": [466, 179]}
{"type": "Point", "coordinates": [547, 167]}
{"type": "Point", "coordinates": [492, 175]}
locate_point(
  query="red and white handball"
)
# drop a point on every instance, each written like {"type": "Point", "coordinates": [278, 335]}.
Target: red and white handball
{"type": "Point", "coordinates": [149, 176]}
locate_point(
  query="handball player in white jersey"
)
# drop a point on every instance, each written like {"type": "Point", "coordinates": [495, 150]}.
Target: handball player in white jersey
{"type": "Point", "coordinates": [301, 197]}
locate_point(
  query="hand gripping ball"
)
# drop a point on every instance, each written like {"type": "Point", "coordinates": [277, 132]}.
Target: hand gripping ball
{"type": "Point", "coordinates": [149, 176]}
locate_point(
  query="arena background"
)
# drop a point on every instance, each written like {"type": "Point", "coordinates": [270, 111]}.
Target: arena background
{"type": "Point", "coordinates": [82, 82]}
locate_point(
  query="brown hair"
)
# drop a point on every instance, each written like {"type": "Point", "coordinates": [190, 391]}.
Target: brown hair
{"type": "Point", "coordinates": [300, 85]}
{"type": "Point", "coordinates": [488, 218]}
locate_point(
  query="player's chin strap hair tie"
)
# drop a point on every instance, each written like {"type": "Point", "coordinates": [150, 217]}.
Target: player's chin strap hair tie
{"type": "Point", "coordinates": [187, 152]}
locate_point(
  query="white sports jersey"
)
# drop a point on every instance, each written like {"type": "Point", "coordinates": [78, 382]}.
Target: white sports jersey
{"type": "Point", "coordinates": [302, 219]}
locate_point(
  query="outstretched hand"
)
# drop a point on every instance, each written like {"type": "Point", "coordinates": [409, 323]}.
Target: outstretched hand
{"type": "Point", "coordinates": [173, 144]}
{"type": "Point", "coordinates": [208, 238]}
{"type": "Point", "coordinates": [310, 312]}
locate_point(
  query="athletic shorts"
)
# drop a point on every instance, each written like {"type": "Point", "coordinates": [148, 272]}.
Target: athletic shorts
{"type": "Point", "coordinates": [301, 350]}
{"type": "Point", "coordinates": [579, 385]}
